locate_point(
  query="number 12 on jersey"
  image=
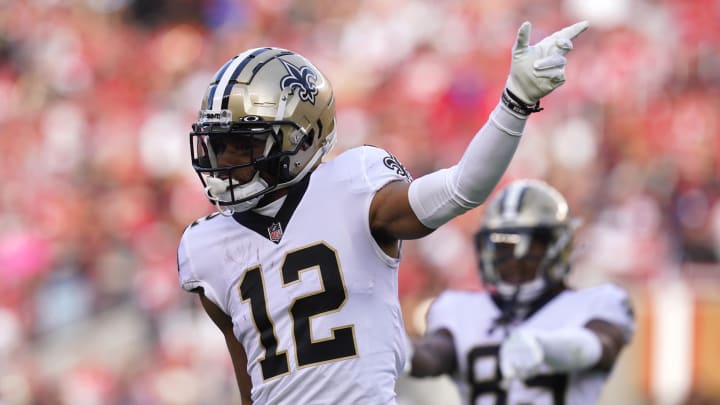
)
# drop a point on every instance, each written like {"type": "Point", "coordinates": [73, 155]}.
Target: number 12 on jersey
{"type": "Point", "coordinates": [329, 299]}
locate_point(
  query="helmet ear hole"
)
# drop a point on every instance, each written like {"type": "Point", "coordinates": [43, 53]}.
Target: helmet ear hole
{"type": "Point", "coordinates": [309, 140]}
{"type": "Point", "coordinates": [320, 128]}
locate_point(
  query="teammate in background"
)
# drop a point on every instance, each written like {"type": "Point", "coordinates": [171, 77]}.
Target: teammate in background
{"type": "Point", "coordinates": [298, 268]}
{"type": "Point", "coordinates": [530, 339]}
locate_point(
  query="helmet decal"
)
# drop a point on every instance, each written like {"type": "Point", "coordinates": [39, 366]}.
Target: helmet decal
{"type": "Point", "coordinates": [304, 79]}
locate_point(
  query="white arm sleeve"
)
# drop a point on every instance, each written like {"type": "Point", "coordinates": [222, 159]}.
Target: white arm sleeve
{"type": "Point", "coordinates": [440, 196]}
{"type": "Point", "coordinates": [570, 349]}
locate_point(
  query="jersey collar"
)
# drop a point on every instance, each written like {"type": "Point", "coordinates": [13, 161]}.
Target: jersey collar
{"type": "Point", "coordinates": [272, 228]}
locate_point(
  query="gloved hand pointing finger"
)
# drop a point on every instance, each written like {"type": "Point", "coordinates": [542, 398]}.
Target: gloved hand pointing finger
{"type": "Point", "coordinates": [536, 70]}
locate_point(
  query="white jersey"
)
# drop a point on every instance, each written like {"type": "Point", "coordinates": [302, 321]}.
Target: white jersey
{"type": "Point", "coordinates": [470, 318]}
{"type": "Point", "coordinates": [313, 298]}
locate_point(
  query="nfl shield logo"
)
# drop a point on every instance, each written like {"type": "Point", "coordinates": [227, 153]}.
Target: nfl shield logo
{"type": "Point", "coordinates": [275, 232]}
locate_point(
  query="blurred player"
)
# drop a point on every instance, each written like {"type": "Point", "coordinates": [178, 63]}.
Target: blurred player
{"type": "Point", "coordinates": [531, 339]}
{"type": "Point", "coordinates": [298, 268]}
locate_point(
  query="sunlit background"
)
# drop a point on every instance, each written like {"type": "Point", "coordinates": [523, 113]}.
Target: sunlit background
{"type": "Point", "coordinates": [97, 98]}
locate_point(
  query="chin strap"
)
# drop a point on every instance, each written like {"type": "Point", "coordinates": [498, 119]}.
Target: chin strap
{"type": "Point", "coordinates": [216, 186]}
{"type": "Point", "coordinates": [218, 190]}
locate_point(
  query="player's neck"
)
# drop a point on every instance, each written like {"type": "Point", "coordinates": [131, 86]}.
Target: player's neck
{"type": "Point", "coordinates": [271, 208]}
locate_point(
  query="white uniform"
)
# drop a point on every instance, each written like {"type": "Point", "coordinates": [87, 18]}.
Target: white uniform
{"type": "Point", "coordinates": [470, 316]}
{"type": "Point", "coordinates": [313, 298]}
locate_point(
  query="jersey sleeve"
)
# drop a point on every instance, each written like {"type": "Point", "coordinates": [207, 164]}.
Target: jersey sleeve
{"type": "Point", "coordinates": [189, 280]}
{"type": "Point", "coordinates": [380, 167]}
{"type": "Point", "coordinates": [612, 304]}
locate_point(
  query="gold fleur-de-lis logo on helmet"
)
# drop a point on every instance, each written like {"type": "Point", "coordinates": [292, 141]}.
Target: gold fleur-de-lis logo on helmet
{"type": "Point", "coordinates": [301, 79]}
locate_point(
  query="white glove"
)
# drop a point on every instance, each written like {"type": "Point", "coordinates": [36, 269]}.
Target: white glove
{"type": "Point", "coordinates": [537, 70]}
{"type": "Point", "coordinates": [563, 350]}
{"type": "Point", "coordinates": [520, 355]}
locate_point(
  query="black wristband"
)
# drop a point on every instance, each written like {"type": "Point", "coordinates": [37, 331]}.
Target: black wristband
{"type": "Point", "coordinates": [514, 103]}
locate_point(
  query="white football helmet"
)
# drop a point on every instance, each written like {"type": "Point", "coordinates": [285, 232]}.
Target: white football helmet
{"type": "Point", "coordinates": [268, 94]}
{"type": "Point", "coordinates": [525, 213]}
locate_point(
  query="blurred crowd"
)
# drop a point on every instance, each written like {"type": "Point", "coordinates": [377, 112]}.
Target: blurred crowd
{"type": "Point", "coordinates": [96, 102]}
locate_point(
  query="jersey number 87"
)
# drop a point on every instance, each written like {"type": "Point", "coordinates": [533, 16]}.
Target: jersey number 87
{"type": "Point", "coordinates": [555, 383]}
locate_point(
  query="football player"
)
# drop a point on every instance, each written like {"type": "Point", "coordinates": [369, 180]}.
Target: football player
{"type": "Point", "coordinates": [528, 339]}
{"type": "Point", "coordinates": [298, 266]}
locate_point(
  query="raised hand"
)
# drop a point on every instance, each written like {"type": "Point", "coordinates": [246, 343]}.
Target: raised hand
{"type": "Point", "coordinates": [536, 70]}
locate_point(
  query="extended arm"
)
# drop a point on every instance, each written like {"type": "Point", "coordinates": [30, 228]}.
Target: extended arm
{"type": "Point", "coordinates": [597, 344]}
{"type": "Point", "coordinates": [410, 211]}
{"type": "Point", "coordinates": [401, 211]}
{"type": "Point", "coordinates": [237, 352]}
